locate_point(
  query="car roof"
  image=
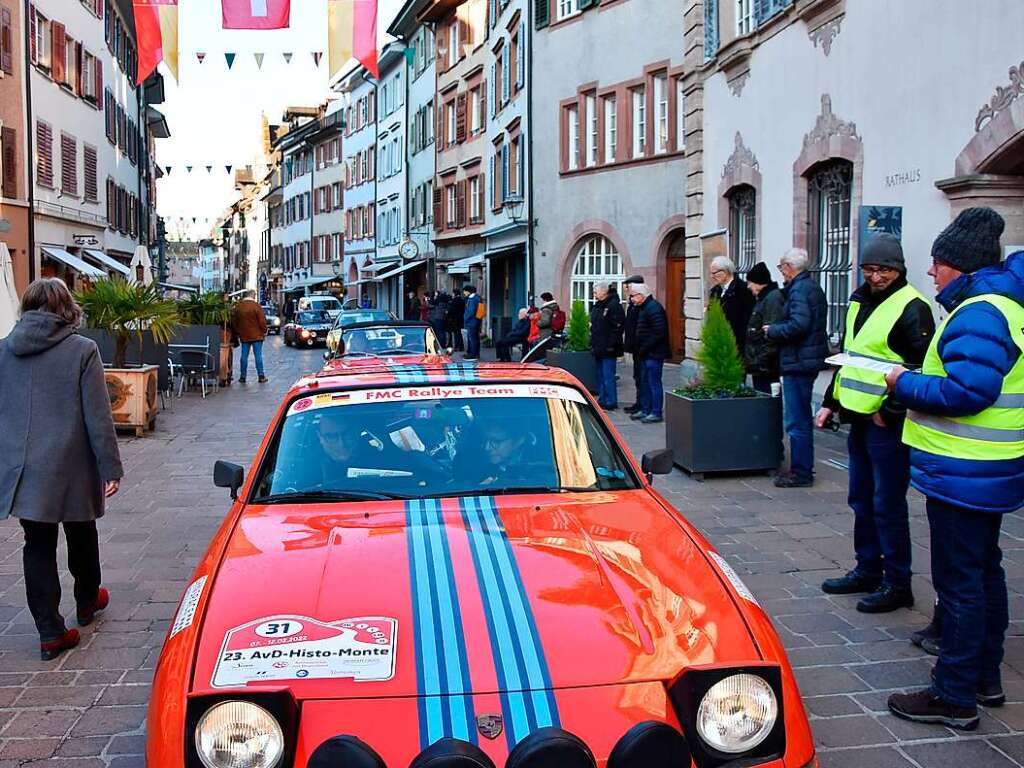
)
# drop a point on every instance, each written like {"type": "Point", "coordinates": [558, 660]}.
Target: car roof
{"type": "Point", "coordinates": [386, 324]}
{"type": "Point", "coordinates": [431, 370]}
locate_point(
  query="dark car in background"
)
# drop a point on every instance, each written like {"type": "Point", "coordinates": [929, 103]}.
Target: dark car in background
{"type": "Point", "coordinates": [308, 328]}
{"type": "Point", "coordinates": [273, 319]}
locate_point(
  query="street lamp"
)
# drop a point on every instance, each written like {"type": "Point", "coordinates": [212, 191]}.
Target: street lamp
{"type": "Point", "coordinates": [336, 266]}
{"type": "Point", "coordinates": [514, 207]}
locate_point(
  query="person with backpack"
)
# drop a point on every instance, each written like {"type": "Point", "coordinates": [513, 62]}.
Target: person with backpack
{"type": "Point", "coordinates": [552, 317]}
{"type": "Point", "coordinates": [472, 319]}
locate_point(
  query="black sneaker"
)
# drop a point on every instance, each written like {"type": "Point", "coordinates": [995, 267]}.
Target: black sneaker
{"type": "Point", "coordinates": [241, 379]}
{"type": "Point", "coordinates": [925, 707]}
{"type": "Point", "coordinates": [852, 583]}
{"type": "Point", "coordinates": [632, 408]}
{"type": "Point", "coordinates": [988, 694]}
{"type": "Point", "coordinates": [887, 599]}
{"type": "Point", "coordinates": [790, 481]}
{"type": "Point", "coordinates": [263, 379]}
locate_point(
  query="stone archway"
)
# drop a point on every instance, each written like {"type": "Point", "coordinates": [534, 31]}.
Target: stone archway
{"type": "Point", "coordinates": [990, 169]}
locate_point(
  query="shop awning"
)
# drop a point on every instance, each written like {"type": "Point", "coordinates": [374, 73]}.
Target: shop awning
{"type": "Point", "coordinates": [108, 261]}
{"type": "Point", "coordinates": [309, 282]}
{"type": "Point", "coordinates": [183, 288]}
{"type": "Point", "coordinates": [400, 270]}
{"type": "Point", "coordinates": [74, 262]}
{"type": "Point", "coordinates": [461, 267]}
{"type": "Point", "coordinates": [506, 250]}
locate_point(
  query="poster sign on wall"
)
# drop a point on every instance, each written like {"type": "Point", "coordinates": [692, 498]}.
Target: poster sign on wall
{"type": "Point", "coordinates": [875, 219]}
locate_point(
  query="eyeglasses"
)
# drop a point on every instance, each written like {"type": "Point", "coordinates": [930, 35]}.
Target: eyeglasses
{"type": "Point", "coordinates": [332, 437]}
{"type": "Point", "coordinates": [877, 270]}
{"type": "Point", "coordinates": [719, 272]}
{"type": "Point", "coordinates": [493, 442]}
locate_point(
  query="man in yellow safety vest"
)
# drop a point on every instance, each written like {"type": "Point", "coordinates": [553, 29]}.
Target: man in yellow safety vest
{"type": "Point", "coordinates": [888, 321]}
{"type": "Point", "coordinates": [965, 428]}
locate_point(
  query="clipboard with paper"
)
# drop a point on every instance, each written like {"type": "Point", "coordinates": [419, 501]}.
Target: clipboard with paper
{"type": "Point", "coordinates": [859, 361]}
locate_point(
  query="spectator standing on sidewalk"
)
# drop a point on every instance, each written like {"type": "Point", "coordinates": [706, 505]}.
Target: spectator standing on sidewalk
{"type": "Point", "coordinates": [59, 458]}
{"type": "Point", "coordinates": [737, 302]}
{"type": "Point", "coordinates": [965, 429]}
{"type": "Point", "coordinates": [552, 318]}
{"type": "Point", "coordinates": [888, 319]}
{"type": "Point", "coordinates": [652, 346]}
{"type": "Point", "coordinates": [803, 347]}
{"type": "Point", "coordinates": [607, 320]}
{"type": "Point", "coordinates": [471, 322]}
{"type": "Point", "coordinates": [250, 323]}
{"type": "Point", "coordinates": [438, 315]}
{"type": "Point", "coordinates": [455, 312]}
{"type": "Point", "coordinates": [629, 341]}
{"type": "Point", "coordinates": [760, 355]}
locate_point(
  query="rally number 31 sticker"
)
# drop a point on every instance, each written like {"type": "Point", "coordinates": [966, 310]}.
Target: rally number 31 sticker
{"type": "Point", "coordinates": [298, 647]}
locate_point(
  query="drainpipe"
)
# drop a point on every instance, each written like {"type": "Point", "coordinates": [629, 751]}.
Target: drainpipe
{"type": "Point", "coordinates": [29, 139]}
{"type": "Point", "coordinates": [312, 203]}
{"type": "Point", "coordinates": [529, 155]}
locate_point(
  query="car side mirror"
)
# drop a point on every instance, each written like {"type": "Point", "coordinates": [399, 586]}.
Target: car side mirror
{"type": "Point", "coordinates": [228, 475]}
{"type": "Point", "coordinates": [327, 355]}
{"type": "Point", "coordinates": [657, 462]}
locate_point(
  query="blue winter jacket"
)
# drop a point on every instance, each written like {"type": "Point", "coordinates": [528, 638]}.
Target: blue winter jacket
{"type": "Point", "coordinates": [469, 313]}
{"type": "Point", "coordinates": [802, 335]}
{"type": "Point", "coordinates": [977, 352]}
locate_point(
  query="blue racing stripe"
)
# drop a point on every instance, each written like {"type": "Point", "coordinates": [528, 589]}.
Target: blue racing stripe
{"type": "Point", "coordinates": [427, 667]}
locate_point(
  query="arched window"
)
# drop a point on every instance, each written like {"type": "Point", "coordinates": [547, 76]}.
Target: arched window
{"type": "Point", "coordinates": [830, 188]}
{"type": "Point", "coordinates": [743, 227]}
{"type": "Point", "coordinates": [596, 261]}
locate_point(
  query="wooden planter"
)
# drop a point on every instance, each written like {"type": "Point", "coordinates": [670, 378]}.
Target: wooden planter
{"type": "Point", "coordinates": [224, 370]}
{"type": "Point", "coordinates": [742, 434]}
{"type": "Point", "coordinates": [582, 365]}
{"type": "Point", "coordinates": [133, 396]}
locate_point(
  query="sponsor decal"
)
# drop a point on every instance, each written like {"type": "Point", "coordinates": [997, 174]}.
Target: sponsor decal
{"type": "Point", "coordinates": [734, 579]}
{"type": "Point", "coordinates": [288, 647]}
{"type": "Point", "coordinates": [436, 392]}
{"type": "Point", "coordinates": [189, 603]}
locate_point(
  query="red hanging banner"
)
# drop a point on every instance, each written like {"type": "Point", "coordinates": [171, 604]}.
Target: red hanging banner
{"type": "Point", "coordinates": [156, 30]}
{"type": "Point", "coordinates": [256, 14]}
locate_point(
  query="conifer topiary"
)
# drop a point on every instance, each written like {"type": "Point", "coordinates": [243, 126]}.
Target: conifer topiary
{"type": "Point", "coordinates": [719, 356]}
{"type": "Point", "coordinates": [579, 327]}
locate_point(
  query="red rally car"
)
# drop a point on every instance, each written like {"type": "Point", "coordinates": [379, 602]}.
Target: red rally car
{"type": "Point", "coordinates": [458, 564]}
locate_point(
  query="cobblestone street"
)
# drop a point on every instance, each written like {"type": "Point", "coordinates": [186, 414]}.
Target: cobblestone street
{"type": "Point", "coordinates": [88, 707]}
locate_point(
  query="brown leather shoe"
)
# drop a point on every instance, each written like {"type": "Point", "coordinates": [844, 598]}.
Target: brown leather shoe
{"type": "Point", "coordinates": [925, 707]}
{"type": "Point", "coordinates": [88, 613]}
{"type": "Point", "coordinates": [53, 648]}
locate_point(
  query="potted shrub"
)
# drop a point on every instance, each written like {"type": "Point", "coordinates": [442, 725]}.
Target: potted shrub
{"type": "Point", "coordinates": [575, 356]}
{"type": "Point", "coordinates": [716, 423]}
{"type": "Point", "coordinates": [209, 315]}
{"type": "Point", "coordinates": [127, 311]}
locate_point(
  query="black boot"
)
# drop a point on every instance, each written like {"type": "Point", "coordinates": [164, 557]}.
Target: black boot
{"type": "Point", "coordinates": [851, 584]}
{"type": "Point", "coordinates": [887, 599]}
{"type": "Point", "coordinates": [988, 694]}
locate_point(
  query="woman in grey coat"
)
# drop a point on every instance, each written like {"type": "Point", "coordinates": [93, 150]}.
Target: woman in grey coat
{"type": "Point", "coordinates": [58, 455]}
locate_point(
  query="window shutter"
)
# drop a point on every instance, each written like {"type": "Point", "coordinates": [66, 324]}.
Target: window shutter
{"type": "Point", "coordinates": [371, 164]}
{"type": "Point", "coordinates": [521, 56]}
{"type": "Point", "coordinates": [460, 203]}
{"type": "Point", "coordinates": [6, 41]}
{"type": "Point", "coordinates": [44, 154]}
{"type": "Point", "coordinates": [494, 93]}
{"type": "Point", "coordinates": [438, 210]}
{"type": "Point", "coordinates": [584, 4]}
{"type": "Point", "coordinates": [441, 43]}
{"type": "Point", "coordinates": [505, 75]}
{"type": "Point", "coordinates": [111, 204]}
{"type": "Point", "coordinates": [460, 118]}
{"type": "Point", "coordinates": [8, 157]}
{"type": "Point", "coordinates": [68, 165]}
{"type": "Point", "coordinates": [480, 194]}
{"type": "Point", "coordinates": [91, 170]}
{"type": "Point", "coordinates": [78, 69]}
{"type": "Point", "coordinates": [98, 64]}
{"type": "Point", "coordinates": [494, 176]}
{"type": "Point", "coordinates": [541, 13]}
{"type": "Point", "coordinates": [504, 172]}
{"type": "Point", "coordinates": [492, 12]}
{"type": "Point", "coordinates": [710, 29]}
{"type": "Point", "coordinates": [33, 54]}
{"type": "Point", "coordinates": [58, 54]}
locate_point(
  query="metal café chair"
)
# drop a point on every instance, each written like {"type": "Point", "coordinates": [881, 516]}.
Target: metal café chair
{"type": "Point", "coordinates": [189, 362]}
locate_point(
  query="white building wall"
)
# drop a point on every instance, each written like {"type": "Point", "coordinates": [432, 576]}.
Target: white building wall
{"type": "Point", "coordinates": [392, 168]}
{"type": "Point", "coordinates": [362, 194]}
{"type": "Point", "coordinates": [421, 165]}
{"type": "Point", "coordinates": [115, 163]}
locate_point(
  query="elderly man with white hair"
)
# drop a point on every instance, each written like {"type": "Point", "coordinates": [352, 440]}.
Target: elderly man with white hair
{"type": "Point", "coordinates": [517, 335]}
{"type": "Point", "coordinates": [732, 293]}
{"type": "Point", "coordinates": [803, 347]}
{"type": "Point", "coordinates": [652, 346]}
{"type": "Point", "coordinates": [607, 320]}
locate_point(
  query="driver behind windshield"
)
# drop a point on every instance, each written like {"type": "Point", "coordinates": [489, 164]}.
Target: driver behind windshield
{"type": "Point", "coordinates": [507, 450]}
{"type": "Point", "coordinates": [347, 450]}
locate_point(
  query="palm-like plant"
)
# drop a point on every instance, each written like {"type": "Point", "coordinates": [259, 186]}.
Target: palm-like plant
{"type": "Point", "coordinates": [205, 309]}
{"type": "Point", "coordinates": [128, 309]}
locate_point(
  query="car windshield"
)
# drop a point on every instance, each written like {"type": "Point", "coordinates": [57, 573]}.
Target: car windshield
{"type": "Point", "coordinates": [387, 340]}
{"type": "Point", "coordinates": [370, 316]}
{"type": "Point", "coordinates": [430, 441]}
{"type": "Point", "coordinates": [312, 318]}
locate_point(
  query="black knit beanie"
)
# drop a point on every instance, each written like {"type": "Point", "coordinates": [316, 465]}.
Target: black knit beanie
{"type": "Point", "coordinates": [884, 250]}
{"type": "Point", "coordinates": [971, 242]}
{"type": "Point", "coordinates": [759, 274]}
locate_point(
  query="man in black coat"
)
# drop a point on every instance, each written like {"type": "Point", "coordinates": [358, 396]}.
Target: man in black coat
{"type": "Point", "coordinates": [516, 335]}
{"type": "Point", "coordinates": [761, 356]}
{"type": "Point", "coordinates": [629, 340]}
{"type": "Point", "coordinates": [607, 320]}
{"type": "Point", "coordinates": [456, 307]}
{"type": "Point", "coordinates": [803, 347]}
{"type": "Point", "coordinates": [736, 300]}
{"type": "Point", "coordinates": [652, 347]}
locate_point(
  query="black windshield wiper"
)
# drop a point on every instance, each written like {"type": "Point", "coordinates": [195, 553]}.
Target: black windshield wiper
{"type": "Point", "coordinates": [525, 489]}
{"type": "Point", "coordinates": [297, 497]}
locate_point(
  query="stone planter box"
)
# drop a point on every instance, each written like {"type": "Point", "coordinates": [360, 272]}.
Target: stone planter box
{"type": "Point", "coordinates": [742, 434]}
{"type": "Point", "coordinates": [133, 396]}
{"type": "Point", "coordinates": [580, 364]}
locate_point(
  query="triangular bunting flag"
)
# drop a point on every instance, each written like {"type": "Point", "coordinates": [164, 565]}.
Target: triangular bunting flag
{"type": "Point", "coordinates": [193, 219]}
{"type": "Point", "coordinates": [168, 169]}
{"type": "Point", "coordinates": [188, 169]}
{"type": "Point", "coordinates": [259, 60]}
{"type": "Point", "coordinates": [201, 57]}
{"type": "Point", "coordinates": [287, 58]}
{"type": "Point", "coordinates": [317, 55]}
{"type": "Point", "coordinates": [230, 59]}
{"type": "Point", "coordinates": [209, 169]}
{"type": "Point", "coordinates": [229, 167]}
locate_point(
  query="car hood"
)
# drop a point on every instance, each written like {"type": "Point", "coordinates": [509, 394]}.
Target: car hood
{"type": "Point", "coordinates": [476, 594]}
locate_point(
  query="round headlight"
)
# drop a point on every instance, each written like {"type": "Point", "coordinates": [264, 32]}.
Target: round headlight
{"type": "Point", "coordinates": [238, 734]}
{"type": "Point", "coordinates": [737, 713]}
